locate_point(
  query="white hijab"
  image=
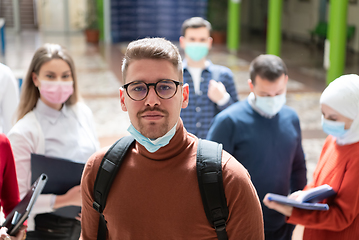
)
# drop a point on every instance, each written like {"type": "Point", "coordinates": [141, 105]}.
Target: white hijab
{"type": "Point", "coordinates": [343, 96]}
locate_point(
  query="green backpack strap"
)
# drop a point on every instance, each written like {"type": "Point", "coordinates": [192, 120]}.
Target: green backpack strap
{"type": "Point", "coordinates": [210, 181]}
{"type": "Point", "coordinates": [107, 172]}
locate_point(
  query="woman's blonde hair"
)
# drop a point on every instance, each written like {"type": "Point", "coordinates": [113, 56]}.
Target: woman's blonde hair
{"type": "Point", "coordinates": [29, 92]}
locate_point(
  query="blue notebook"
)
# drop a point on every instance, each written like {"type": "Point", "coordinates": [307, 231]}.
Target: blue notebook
{"type": "Point", "coordinates": [63, 174]}
{"type": "Point", "coordinates": [308, 199]}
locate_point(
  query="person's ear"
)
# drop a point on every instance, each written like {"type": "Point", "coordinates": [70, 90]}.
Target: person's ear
{"type": "Point", "coordinates": [182, 41]}
{"type": "Point", "coordinates": [122, 99]}
{"type": "Point", "coordinates": [250, 84]}
{"type": "Point", "coordinates": [35, 79]}
{"type": "Point", "coordinates": [210, 42]}
{"type": "Point", "coordinates": [185, 95]}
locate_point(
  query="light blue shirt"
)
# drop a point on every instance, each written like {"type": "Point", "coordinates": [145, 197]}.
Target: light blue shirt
{"type": "Point", "coordinates": [63, 133]}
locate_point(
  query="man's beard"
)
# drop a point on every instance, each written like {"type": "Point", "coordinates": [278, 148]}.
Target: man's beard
{"type": "Point", "coordinates": [153, 131]}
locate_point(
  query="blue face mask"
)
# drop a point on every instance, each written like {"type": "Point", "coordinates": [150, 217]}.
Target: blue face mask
{"type": "Point", "coordinates": [333, 128]}
{"type": "Point", "coordinates": [152, 145]}
{"type": "Point", "coordinates": [270, 105]}
{"type": "Point", "coordinates": [196, 51]}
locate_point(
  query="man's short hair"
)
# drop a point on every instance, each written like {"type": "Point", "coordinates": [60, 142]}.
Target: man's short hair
{"type": "Point", "coordinates": [269, 67]}
{"type": "Point", "coordinates": [152, 48]}
{"type": "Point", "coordinates": [195, 22]}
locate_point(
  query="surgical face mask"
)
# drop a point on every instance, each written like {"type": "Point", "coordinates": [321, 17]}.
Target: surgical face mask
{"type": "Point", "coordinates": [152, 145]}
{"type": "Point", "coordinates": [56, 91]}
{"type": "Point", "coordinates": [271, 105]}
{"type": "Point", "coordinates": [333, 128]}
{"type": "Point", "coordinates": [196, 51]}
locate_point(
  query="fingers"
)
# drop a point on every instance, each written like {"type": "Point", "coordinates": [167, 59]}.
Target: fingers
{"type": "Point", "coordinates": [283, 209]}
{"type": "Point", "coordinates": [295, 195]}
{"type": "Point", "coordinates": [212, 82]}
{"type": "Point", "coordinates": [266, 201]}
{"type": "Point", "coordinates": [78, 217]}
{"type": "Point", "coordinates": [21, 234]}
{"type": "Point", "coordinates": [3, 233]}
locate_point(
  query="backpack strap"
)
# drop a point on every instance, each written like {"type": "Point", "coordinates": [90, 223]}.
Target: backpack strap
{"type": "Point", "coordinates": [209, 173]}
{"type": "Point", "coordinates": [210, 181]}
{"type": "Point", "coordinates": [216, 72]}
{"type": "Point", "coordinates": [108, 169]}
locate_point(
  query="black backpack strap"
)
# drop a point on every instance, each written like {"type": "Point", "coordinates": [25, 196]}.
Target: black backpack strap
{"type": "Point", "coordinates": [108, 169]}
{"type": "Point", "coordinates": [210, 181]}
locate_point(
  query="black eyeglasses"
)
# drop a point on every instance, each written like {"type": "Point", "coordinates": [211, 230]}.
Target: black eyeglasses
{"type": "Point", "coordinates": [165, 89]}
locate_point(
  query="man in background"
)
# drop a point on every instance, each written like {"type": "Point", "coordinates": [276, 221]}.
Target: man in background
{"type": "Point", "coordinates": [211, 87]}
{"type": "Point", "coordinates": [265, 136]}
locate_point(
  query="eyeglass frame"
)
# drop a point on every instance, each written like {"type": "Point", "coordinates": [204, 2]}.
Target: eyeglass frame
{"type": "Point", "coordinates": [177, 83]}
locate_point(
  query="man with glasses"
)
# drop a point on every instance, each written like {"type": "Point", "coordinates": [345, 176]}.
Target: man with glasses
{"type": "Point", "coordinates": [211, 87]}
{"type": "Point", "coordinates": [155, 194]}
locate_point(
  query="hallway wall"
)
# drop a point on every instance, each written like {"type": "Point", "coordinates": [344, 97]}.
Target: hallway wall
{"type": "Point", "coordinates": [53, 16]}
{"type": "Point", "coordinates": [353, 19]}
{"type": "Point", "coordinates": [298, 19]}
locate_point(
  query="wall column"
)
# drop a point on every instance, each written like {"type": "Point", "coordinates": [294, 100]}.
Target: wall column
{"type": "Point", "coordinates": [274, 32]}
{"type": "Point", "coordinates": [233, 26]}
{"type": "Point", "coordinates": [337, 35]}
{"type": "Point", "coordinates": [16, 11]}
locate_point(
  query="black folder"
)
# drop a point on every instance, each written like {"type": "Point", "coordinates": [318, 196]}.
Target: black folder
{"type": "Point", "coordinates": [63, 174]}
{"type": "Point", "coordinates": [21, 212]}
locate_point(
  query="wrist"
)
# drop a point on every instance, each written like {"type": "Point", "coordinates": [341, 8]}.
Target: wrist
{"type": "Point", "coordinates": [224, 100]}
{"type": "Point", "coordinates": [60, 201]}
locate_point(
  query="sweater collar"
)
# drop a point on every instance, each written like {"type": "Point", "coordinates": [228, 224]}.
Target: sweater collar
{"type": "Point", "coordinates": [49, 113]}
{"type": "Point", "coordinates": [178, 144]}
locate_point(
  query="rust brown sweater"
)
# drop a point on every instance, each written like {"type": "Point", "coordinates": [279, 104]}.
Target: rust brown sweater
{"type": "Point", "coordinates": [156, 196]}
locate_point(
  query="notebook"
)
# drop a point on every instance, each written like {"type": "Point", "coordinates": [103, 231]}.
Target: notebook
{"type": "Point", "coordinates": [308, 199]}
{"type": "Point", "coordinates": [63, 174]}
{"type": "Point", "coordinates": [21, 212]}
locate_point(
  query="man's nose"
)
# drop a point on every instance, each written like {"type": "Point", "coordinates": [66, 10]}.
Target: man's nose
{"type": "Point", "coordinates": [152, 98]}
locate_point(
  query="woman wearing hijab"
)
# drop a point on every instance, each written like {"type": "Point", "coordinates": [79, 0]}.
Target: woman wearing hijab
{"type": "Point", "coordinates": [338, 167]}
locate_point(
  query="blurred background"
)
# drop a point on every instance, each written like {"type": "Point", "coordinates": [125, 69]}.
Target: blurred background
{"type": "Point", "coordinates": [96, 32]}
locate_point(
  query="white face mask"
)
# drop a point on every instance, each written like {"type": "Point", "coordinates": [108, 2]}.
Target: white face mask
{"type": "Point", "coordinates": [271, 105]}
{"type": "Point", "coordinates": [152, 145]}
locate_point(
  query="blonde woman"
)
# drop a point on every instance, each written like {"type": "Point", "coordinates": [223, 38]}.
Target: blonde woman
{"type": "Point", "coordinates": [51, 121]}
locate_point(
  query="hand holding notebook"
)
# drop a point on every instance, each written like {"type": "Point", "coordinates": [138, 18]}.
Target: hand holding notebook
{"type": "Point", "coordinates": [306, 199]}
{"type": "Point", "coordinates": [63, 176]}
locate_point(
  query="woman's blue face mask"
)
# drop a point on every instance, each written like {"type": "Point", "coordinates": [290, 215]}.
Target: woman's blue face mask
{"type": "Point", "coordinates": [336, 129]}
